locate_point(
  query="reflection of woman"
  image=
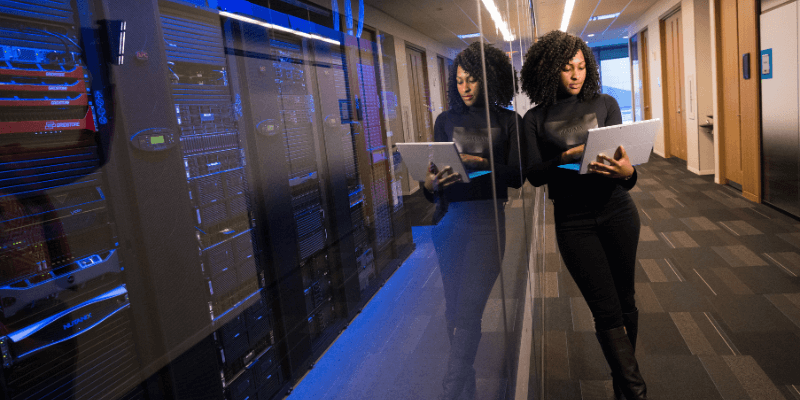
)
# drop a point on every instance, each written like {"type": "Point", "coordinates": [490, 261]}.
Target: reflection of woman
{"type": "Point", "coordinates": [466, 239]}
{"type": "Point", "coordinates": [597, 222]}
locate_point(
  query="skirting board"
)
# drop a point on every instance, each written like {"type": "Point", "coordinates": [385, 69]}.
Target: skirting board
{"type": "Point", "coordinates": [700, 172]}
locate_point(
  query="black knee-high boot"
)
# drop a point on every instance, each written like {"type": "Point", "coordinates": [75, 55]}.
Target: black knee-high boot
{"type": "Point", "coordinates": [618, 352]}
{"type": "Point", "coordinates": [631, 322]}
{"type": "Point", "coordinates": [459, 380]}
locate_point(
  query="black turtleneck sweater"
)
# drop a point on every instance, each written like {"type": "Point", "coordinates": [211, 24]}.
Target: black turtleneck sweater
{"type": "Point", "coordinates": [469, 131]}
{"type": "Point", "coordinates": [549, 131]}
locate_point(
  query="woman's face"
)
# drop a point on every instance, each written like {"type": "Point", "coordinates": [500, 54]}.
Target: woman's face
{"type": "Point", "coordinates": [468, 86]}
{"type": "Point", "coordinates": [573, 74]}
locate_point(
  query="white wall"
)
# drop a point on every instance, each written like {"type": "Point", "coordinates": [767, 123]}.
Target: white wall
{"type": "Point", "coordinates": [705, 102]}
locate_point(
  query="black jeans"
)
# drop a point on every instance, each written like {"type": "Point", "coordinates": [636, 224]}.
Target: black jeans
{"type": "Point", "coordinates": [598, 244]}
{"type": "Point", "coordinates": [466, 245]}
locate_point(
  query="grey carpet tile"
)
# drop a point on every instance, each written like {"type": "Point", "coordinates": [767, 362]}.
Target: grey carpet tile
{"type": "Point", "coordinates": [788, 261]}
{"type": "Point", "coordinates": [715, 238]}
{"type": "Point", "coordinates": [750, 313]}
{"type": "Point", "coordinates": [777, 356]}
{"type": "Point", "coordinates": [586, 359]}
{"type": "Point", "coordinates": [677, 377]}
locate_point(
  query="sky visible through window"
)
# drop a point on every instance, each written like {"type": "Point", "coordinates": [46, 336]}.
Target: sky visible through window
{"type": "Point", "coordinates": [616, 78]}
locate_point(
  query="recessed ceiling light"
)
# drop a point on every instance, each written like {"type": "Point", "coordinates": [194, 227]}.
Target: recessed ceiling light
{"type": "Point", "coordinates": [607, 16]}
{"type": "Point", "coordinates": [499, 24]}
{"type": "Point", "coordinates": [568, 6]}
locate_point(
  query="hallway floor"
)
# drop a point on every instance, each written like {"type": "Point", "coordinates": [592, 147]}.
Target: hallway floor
{"type": "Point", "coordinates": [718, 290]}
{"type": "Point", "coordinates": [717, 284]}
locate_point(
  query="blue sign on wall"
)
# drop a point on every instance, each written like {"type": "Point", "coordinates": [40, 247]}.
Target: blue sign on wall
{"type": "Point", "coordinates": [766, 64]}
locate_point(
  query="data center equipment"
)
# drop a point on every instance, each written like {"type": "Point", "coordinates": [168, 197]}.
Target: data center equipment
{"type": "Point", "coordinates": [288, 153]}
{"type": "Point", "coordinates": [191, 205]}
{"type": "Point", "coordinates": [61, 283]}
{"type": "Point", "coordinates": [214, 155]}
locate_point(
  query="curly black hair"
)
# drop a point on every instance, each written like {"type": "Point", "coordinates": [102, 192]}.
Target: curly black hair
{"type": "Point", "coordinates": [499, 73]}
{"type": "Point", "coordinates": [541, 70]}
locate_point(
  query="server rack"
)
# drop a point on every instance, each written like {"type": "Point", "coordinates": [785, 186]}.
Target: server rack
{"type": "Point", "coordinates": [214, 151]}
{"type": "Point", "coordinates": [288, 155]}
{"type": "Point", "coordinates": [64, 319]}
{"type": "Point", "coordinates": [211, 155]}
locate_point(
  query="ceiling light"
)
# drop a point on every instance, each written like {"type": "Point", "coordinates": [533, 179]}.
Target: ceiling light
{"type": "Point", "coordinates": [570, 4]}
{"type": "Point", "coordinates": [471, 35]}
{"type": "Point", "coordinates": [499, 24]}
{"type": "Point", "coordinates": [591, 35]}
{"type": "Point", "coordinates": [601, 17]}
{"type": "Point", "coordinates": [277, 27]}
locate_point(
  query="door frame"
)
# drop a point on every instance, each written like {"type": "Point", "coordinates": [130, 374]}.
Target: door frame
{"type": "Point", "coordinates": [425, 107]}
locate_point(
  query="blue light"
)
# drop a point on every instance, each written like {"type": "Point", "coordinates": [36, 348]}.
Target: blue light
{"type": "Point", "coordinates": [335, 10]}
{"type": "Point", "coordinates": [76, 334]}
{"type": "Point", "coordinates": [24, 333]}
{"type": "Point", "coordinates": [471, 35]}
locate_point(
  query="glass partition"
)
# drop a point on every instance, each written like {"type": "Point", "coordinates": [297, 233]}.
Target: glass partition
{"type": "Point", "coordinates": [206, 199]}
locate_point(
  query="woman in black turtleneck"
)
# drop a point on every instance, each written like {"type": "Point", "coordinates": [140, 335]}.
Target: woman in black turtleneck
{"type": "Point", "coordinates": [468, 240]}
{"type": "Point", "coordinates": [597, 222]}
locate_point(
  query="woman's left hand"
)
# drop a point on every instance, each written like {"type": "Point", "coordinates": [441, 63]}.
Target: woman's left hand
{"type": "Point", "coordinates": [474, 163]}
{"type": "Point", "coordinates": [618, 167]}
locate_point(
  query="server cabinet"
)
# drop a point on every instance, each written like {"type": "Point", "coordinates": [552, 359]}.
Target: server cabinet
{"type": "Point", "coordinates": [64, 306]}
{"type": "Point", "coordinates": [288, 156]}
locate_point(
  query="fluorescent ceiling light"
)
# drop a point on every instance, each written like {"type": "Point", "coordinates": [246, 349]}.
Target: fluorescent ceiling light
{"type": "Point", "coordinates": [601, 17]}
{"type": "Point", "coordinates": [591, 35]}
{"type": "Point", "coordinates": [570, 4]}
{"type": "Point", "coordinates": [278, 27]}
{"type": "Point", "coordinates": [471, 35]}
{"type": "Point", "coordinates": [499, 24]}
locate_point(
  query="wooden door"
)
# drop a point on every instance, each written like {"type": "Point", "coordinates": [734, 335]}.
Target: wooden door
{"type": "Point", "coordinates": [644, 64]}
{"type": "Point", "coordinates": [672, 61]}
{"type": "Point", "coordinates": [729, 110]}
{"type": "Point", "coordinates": [419, 92]}
{"type": "Point", "coordinates": [443, 76]}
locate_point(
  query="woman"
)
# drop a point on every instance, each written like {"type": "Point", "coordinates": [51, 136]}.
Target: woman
{"type": "Point", "coordinates": [597, 222]}
{"type": "Point", "coordinates": [469, 243]}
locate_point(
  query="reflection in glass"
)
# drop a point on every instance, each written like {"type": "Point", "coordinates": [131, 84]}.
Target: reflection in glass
{"type": "Point", "coordinates": [198, 197]}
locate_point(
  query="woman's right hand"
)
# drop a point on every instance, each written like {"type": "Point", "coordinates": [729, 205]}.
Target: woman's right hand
{"type": "Point", "coordinates": [572, 155]}
{"type": "Point", "coordinates": [436, 180]}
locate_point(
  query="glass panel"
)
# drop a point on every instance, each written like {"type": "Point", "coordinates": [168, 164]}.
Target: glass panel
{"type": "Point", "coordinates": [209, 199]}
{"type": "Point", "coordinates": [638, 105]}
{"type": "Point", "coordinates": [616, 78]}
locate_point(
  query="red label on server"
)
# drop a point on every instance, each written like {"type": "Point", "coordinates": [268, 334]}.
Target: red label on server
{"type": "Point", "coordinates": [76, 72]}
{"type": "Point", "coordinates": [80, 101]}
{"type": "Point", "coordinates": [45, 126]}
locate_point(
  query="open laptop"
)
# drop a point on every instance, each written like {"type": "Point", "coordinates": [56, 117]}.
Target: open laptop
{"type": "Point", "coordinates": [417, 157]}
{"type": "Point", "coordinates": [637, 138]}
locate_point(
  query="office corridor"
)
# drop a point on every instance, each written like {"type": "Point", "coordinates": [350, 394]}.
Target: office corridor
{"type": "Point", "coordinates": [718, 290]}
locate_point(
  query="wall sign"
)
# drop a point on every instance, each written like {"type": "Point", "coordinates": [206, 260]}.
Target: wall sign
{"type": "Point", "coordinates": [766, 64]}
